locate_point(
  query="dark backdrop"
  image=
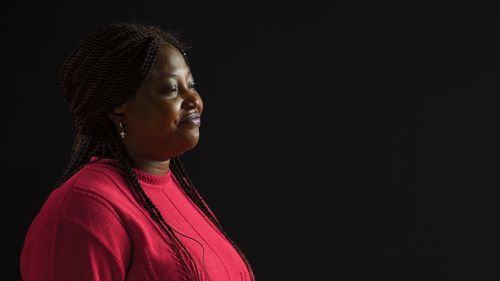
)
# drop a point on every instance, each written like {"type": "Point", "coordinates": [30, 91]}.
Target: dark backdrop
{"type": "Point", "coordinates": [338, 143]}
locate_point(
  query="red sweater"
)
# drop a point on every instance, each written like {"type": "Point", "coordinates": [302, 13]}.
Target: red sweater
{"type": "Point", "coordinates": [92, 228]}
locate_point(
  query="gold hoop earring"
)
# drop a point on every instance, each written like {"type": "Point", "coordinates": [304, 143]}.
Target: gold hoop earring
{"type": "Point", "coordinates": [122, 133]}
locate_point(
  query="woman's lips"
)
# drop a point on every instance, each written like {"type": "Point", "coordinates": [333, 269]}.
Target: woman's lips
{"type": "Point", "coordinates": [192, 119]}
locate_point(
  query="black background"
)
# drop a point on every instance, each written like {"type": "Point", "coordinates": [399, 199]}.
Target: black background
{"type": "Point", "coordinates": [340, 142]}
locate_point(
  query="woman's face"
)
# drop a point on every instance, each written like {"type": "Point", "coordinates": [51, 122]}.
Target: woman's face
{"type": "Point", "coordinates": [162, 120]}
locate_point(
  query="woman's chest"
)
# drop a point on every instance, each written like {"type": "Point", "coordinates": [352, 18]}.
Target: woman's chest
{"type": "Point", "coordinates": [157, 256]}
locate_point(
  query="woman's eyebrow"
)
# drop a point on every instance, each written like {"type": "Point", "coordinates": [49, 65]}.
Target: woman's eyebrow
{"type": "Point", "coordinates": [173, 75]}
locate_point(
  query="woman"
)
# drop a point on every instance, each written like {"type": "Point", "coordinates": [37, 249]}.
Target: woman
{"type": "Point", "coordinates": [125, 208]}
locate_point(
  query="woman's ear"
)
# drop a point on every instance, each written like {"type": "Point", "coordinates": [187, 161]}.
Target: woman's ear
{"type": "Point", "coordinates": [117, 115]}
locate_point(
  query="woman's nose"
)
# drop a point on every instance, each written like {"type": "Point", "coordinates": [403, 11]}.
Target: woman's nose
{"type": "Point", "coordinates": [192, 100]}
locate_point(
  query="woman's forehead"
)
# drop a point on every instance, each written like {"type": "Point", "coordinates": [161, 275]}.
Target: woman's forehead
{"type": "Point", "coordinates": [171, 62]}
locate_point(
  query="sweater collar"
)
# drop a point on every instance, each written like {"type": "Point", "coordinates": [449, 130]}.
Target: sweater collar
{"type": "Point", "coordinates": [144, 177]}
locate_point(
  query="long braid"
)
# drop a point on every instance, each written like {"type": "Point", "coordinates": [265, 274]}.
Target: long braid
{"type": "Point", "coordinates": [185, 181]}
{"type": "Point", "coordinates": [83, 148]}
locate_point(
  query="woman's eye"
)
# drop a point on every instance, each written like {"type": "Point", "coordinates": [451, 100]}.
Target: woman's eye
{"type": "Point", "coordinates": [171, 90]}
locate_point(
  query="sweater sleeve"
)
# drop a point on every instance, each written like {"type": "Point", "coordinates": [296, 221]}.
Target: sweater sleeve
{"type": "Point", "coordinates": [86, 242]}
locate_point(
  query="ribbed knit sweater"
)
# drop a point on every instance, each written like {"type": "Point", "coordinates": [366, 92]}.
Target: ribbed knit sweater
{"type": "Point", "coordinates": [92, 228]}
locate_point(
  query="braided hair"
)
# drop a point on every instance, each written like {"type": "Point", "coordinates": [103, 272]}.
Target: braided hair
{"type": "Point", "coordinates": [105, 70]}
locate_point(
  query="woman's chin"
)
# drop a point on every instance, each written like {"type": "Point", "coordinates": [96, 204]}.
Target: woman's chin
{"type": "Point", "coordinates": [186, 146]}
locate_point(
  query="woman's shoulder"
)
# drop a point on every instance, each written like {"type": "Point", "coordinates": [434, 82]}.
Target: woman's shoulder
{"type": "Point", "coordinates": [102, 182]}
{"type": "Point", "coordinates": [83, 212]}
{"type": "Point", "coordinates": [95, 187]}
{"type": "Point", "coordinates": [91, 197]}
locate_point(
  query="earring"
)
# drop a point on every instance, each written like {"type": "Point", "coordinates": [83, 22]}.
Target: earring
{"type": "Point", "coordinates": [122, 133]}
